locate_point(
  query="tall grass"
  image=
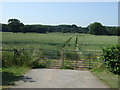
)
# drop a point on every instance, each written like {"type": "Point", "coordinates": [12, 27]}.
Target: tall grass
{"type": "Point", "coordinates": [20, 58]}
{"type": "Point", "coordinates": [28, 58]}
{"type": "Point", "coordinates": [112, 80]}
{"type": "Point", "coordinates": [12, 74]}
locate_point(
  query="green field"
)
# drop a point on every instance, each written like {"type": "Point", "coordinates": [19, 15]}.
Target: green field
{"type": "Point", "coordinates": [55, 41]}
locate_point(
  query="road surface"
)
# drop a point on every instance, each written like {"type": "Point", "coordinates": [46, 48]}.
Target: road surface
{"type": "Point", "coordinates": [55, 78]}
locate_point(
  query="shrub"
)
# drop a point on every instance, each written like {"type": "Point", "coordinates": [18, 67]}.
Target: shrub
{"type": "Point", "coordinates": [7, 59]}
{"type": "Point", "coordinates": [19, 58]}
{"type": "Point", "coordinates": [28, 58]}
{"type": "Point", "coordinates": [111, 56]}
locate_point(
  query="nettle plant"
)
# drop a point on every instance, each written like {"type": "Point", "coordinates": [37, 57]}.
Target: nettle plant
{"type": "Point", "coordinates": [111, 56]}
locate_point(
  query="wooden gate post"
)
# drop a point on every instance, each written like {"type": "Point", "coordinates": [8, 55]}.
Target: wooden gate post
{"type": "Point", "coordinates": [62, 57]}
{"type": "Point", "coordinates": [90, 61]}
{"type": "Point", "coordinates": [77, 50]}
{"type": "Point", "coordinates": [15, 56]}
{"type": "Point", "coordinates": [76, 60]}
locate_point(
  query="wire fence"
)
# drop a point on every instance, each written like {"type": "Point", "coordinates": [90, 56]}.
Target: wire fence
{"type": "Point", "coordinates": [67, 59]}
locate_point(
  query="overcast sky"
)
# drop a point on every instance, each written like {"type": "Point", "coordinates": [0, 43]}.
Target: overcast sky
{"type": "Point", "coordinates": [54, 13]}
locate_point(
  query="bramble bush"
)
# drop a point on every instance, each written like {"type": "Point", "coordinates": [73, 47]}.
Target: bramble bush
{"type": "Point", "coordinates": [111, 56]}
{"type": "Point", "coordinates": [20, 58]}
{"type": "Point", "coordinates": [27, 58]}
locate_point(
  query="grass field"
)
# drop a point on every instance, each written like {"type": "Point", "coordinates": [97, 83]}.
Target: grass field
{"type": "Point", "coordinates": [55, 41]}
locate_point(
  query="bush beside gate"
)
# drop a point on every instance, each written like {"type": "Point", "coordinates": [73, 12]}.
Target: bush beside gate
{"type": "Point", "coordinates": [111, 56]}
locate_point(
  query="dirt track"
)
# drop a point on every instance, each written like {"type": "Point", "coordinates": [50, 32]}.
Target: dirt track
{"type": "Point", "coordinates": [54, 78]}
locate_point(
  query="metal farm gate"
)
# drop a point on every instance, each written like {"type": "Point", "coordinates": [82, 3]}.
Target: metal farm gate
{"type": "Point", "coordinates": [57, 59]}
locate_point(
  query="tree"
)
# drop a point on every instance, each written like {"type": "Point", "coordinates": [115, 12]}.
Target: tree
{"type": "Point", "coordinates": [15, 25]}
{"type": "Point", "coordinates": [5, 28]}
{"type": "Point", "coordinates": [74, 26]}
{"type": "Point", "coordinates": [111, 30]}
{"type": "Point", "coordinates": [118, 31]}
{"type": "Point", "coordinates": [97, 29]}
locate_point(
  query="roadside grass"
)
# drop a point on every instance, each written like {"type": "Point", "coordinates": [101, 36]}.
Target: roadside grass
{"type": "Point", "coordinates": [107, 77]}
{"type": "Point", "coordinates": [12, 74]}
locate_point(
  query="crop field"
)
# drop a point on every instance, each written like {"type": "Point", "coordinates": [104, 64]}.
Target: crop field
{"type": "Point", "coordinates": [55, 41]}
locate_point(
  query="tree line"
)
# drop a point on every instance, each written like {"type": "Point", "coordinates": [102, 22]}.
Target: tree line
{"type": "Point", "coordinates": [96, 28]}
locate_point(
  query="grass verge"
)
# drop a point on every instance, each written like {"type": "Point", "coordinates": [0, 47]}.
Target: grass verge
{"type": "Point", "coordinates": [107, 77]}
{"type": "Point", "coordinates": [12, 74]}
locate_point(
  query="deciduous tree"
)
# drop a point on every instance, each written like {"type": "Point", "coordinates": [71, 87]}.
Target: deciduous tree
{"type": "Point", "coordinates": [97, 29]}
{"type": "Point", "coordinates": [15, 25]}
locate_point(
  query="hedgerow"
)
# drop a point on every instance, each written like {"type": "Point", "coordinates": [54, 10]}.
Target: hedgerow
{"type": "Point", "coordinates": [111, 57]}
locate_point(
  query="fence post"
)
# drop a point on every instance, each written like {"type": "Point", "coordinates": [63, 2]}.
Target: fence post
{"type": "Point", "coordinates": [90, 60]}
{"type": "Point", "coordinates": [77, 59]}
{"type": "Point", "coordinates": [15, 53]}
{"type": "Point", "coordinates": [62, 57]}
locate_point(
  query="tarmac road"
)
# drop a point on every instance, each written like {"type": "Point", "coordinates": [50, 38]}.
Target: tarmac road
{"type": "Point", "coordinates": [55, 78]}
